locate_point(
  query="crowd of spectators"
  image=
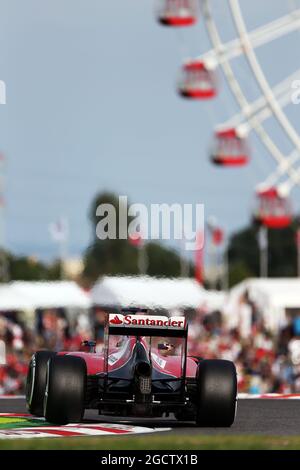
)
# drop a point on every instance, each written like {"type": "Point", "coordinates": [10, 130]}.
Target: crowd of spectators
{"type": "Point", "coordinates": [265, 363]}
{"type": "Point", "coordinates": [19, 339]}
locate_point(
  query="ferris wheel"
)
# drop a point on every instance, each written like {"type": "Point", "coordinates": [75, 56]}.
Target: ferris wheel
{"type": "Point", "coordinates": [201, 79]}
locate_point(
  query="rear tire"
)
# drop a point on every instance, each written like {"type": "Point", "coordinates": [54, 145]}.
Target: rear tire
{"type": "Point", "coordinates": [216, 393]}
{"type": "Point", "coordinates": [65, 390]}
{"type": "Point", "coordinates": [36, 382]}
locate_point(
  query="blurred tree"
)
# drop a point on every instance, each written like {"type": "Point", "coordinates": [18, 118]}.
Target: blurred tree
{"type": "Point", "coordinates": [162, 261]}
{"type": "Point", "coordinates": [238, 272]}
{"type": "Point", "coordinates": [26, 269]}
{"type": "Point", "coordinates": [54, 271]}
{"type": "Point", "coordinates": [244, 252]}
{"type": "Point", "coordinates": [118, 256]}
{"type": "Point", "coordinates": [109, 256]}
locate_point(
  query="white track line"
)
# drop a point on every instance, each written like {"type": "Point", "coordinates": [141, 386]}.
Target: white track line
{"type": "Point", "coordinates": [12, 397]}
{"type": "Point", "coordinates": [269, 396]}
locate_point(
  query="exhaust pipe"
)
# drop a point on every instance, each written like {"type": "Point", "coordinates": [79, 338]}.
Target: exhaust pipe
{"type": "Point", "coordinates": [143, 369]}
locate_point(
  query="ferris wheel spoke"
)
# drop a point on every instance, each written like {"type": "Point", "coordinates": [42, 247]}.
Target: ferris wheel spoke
{"type": "Point", "coordinates": [287, 186]}
{"type": "Point", "coordinates": [239, 95]}
{"type": "Point", "coordinates": [260, 107]}
{"type": "Point", "coordinates": [258, 37]}
{"type": "Point", "coordinates": [281, 170]}
{"type": "Point", "coordinates": [259, 75]}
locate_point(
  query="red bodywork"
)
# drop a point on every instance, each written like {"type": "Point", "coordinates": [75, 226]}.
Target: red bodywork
{"type": "Point", "coordinates": [170, 365]}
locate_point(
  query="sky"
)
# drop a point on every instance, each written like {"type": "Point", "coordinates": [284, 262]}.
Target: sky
{"type": "Point", "coordinates": [91, 106]}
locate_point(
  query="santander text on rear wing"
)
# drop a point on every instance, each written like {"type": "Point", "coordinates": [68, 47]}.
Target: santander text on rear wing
{"type": "Point", "coordinates": [147, 325]}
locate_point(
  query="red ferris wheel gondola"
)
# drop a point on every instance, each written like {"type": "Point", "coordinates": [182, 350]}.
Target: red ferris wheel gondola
{"type": "Point", "coordinates": [231, 147]}
{"type": "Point", "coordinates": [274, 209]}
{"type": "Point", "coordinates": [177, 13]}
{"type": "Point", "coordinates": [198, 80]}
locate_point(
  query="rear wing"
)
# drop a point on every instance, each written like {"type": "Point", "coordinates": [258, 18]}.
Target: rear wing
{"type": "Point", "coordinates": [146, 325]}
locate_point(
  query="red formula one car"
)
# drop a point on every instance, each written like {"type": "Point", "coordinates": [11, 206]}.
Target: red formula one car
{"type": "Point", "coordinates": [144, 371]}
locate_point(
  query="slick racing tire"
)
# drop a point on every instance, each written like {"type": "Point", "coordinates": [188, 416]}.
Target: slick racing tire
{"type": "Point", "coordinates": [216, 393]}
{"type": "Point", "coordinates": [36, 382]}
{"type": "Point", "coordinates": [65, 390]}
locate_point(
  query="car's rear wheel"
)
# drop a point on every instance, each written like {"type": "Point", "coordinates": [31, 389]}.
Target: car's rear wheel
{"type": "Point", "coordinates": [216, 393]}
{"type": "Point", "coordinates": [36, 382]}
{"type": "Point", "coordinates": [65, 390]}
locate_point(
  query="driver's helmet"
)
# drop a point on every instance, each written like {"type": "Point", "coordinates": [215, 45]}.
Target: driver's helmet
{"type": "Point", "coordinates": [167, 346]}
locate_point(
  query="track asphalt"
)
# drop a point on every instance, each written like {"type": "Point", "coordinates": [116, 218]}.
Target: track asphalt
{"type": "Point", "coordinates": [254, 416]}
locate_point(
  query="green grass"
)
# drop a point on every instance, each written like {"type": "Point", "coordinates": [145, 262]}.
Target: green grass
{"type": "Point", "coordinates": [157, 442]}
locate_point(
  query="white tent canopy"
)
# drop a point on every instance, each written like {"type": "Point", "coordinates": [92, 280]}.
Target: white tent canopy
{"type": "Point", "coordinates": [12, 299]}
{"type": "Point", "coordinates": [148, 292]}
{"type": "Point", "coordinates": [271, 297]}
{"type": "Point", "coordinates": [22, 295]}
{"type": "Point", "coordinates": [214, 300]}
